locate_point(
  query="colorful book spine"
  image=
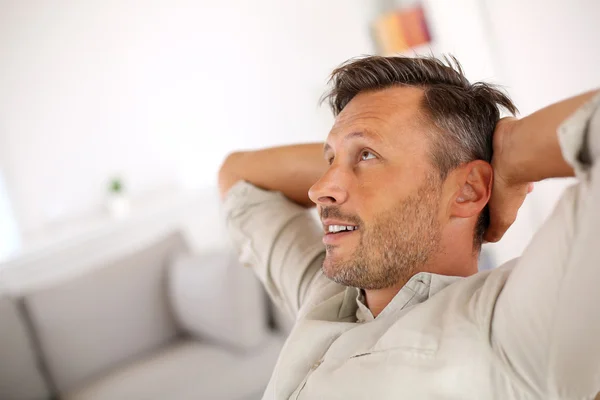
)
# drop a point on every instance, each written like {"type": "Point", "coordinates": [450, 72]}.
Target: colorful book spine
{"type": "Point", "coordinates": [401, 30]}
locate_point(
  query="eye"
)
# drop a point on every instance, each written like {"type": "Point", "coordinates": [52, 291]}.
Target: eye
{"type": "Point", "coordinates": [366, 155]}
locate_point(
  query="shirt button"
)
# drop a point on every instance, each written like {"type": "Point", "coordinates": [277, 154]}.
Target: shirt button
{"type": "Point", "coordinates": [316, 365]}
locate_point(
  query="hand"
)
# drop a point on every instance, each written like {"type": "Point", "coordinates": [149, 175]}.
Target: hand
{"type": "Point", "coordinates": [507, 193]}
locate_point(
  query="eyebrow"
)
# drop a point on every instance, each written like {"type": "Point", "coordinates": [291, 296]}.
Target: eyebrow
{"type": "Point", "coordinates": [357, 134]}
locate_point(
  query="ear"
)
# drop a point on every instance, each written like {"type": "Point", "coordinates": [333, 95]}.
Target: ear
{"type": "Point", "coordinates": [474, 182]}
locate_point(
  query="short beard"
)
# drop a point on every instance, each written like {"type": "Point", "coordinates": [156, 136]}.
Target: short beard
{"type": "Point", "coordinates": [395, 247]}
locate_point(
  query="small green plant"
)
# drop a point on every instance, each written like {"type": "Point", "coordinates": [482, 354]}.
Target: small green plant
{"type": "Point", "coordinates": [116, 186]}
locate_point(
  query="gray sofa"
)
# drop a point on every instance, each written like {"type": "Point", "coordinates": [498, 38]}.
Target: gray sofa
{"type": "Point", "coordinates": [157, 323]}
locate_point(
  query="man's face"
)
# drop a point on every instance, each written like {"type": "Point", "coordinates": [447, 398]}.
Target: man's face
{"type": "Point", "coordinates": [383, 185]}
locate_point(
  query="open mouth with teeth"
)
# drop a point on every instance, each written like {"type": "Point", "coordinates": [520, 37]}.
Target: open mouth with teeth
{"type": "Point", "coordinates": [341, 228]}
{"type": "Point", "coordinates": [335, 234]}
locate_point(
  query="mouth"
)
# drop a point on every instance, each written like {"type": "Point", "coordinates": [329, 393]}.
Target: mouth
{"type": "Point", "coordinates": [335, 233]}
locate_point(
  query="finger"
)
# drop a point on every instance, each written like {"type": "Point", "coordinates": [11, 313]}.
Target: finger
{"type": "Point", "coordinates": [504, 206]}
{"type": "Point", "coordinates": [497, 231]}
{"type": "Point", "coordinates": [530, 187]}
{"type": "Point", "coordinates": [498, 221]}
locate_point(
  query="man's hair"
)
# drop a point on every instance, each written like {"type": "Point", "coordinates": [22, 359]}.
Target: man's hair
{"type": "Point", "coordinates": [464, 115]}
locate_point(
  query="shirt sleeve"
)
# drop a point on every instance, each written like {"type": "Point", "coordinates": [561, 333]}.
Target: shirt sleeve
{"type": "Point", "coordinates": [280, 240]}
{"type": "Point", "coordinates": [546, 320]}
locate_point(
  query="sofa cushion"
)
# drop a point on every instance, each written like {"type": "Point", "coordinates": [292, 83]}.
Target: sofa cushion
{"type": "Point", "coordinates": [188, 369]}
{"type": "Point", "coordinates": [214, 297]}
{"type": "Point", "coordinates": [20, 377]}
{"type": "Point", "coordinates": [91, 323]}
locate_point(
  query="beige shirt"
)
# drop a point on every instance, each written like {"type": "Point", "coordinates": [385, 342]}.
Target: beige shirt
{"type": "Point", "coordinates": [527, 330]}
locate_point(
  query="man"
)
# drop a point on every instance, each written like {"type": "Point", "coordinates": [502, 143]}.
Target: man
{"type": "Point", "coordinates": [386, 295]}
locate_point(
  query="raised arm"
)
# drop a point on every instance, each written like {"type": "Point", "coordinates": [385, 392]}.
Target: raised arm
{"type": "Point", "coordinates": [546, 324]}
{"type": "Point", "coordinates": [533, 150]}
{"type": "Point", "coordinates": [291, 170]}
{"type": "Point", "coordinates": [527, 150]}
{"type": "Point", "coordinates": [265, 195]}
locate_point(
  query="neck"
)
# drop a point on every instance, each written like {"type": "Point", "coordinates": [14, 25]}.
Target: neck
{"type": "Point", "coordinates": [455, 258]}
{"type": "Point", "coordinates": [378, 299]}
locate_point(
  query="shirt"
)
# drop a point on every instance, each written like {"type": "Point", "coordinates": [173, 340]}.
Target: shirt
{"type": "Point", "coordinates": [529, 329]}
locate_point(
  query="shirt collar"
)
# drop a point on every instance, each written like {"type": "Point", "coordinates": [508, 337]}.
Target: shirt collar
{"type": "Point", "coordinates": [419, 288]}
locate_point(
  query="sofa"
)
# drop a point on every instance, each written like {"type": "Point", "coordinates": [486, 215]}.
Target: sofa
{"type": "Point", "coordinates": [157, 322]}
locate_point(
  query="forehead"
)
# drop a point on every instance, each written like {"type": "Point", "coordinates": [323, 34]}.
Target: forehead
{"type": "Point", "coordinates": [390, 114]}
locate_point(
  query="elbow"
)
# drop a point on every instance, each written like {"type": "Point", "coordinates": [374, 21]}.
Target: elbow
{"type": "Point", "coordinates": [228, 173]}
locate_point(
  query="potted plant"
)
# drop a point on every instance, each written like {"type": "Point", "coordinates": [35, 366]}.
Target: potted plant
{"type": "Point", "coordinates": [118, 202]}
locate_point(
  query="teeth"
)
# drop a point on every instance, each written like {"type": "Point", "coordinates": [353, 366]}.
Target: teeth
{"type": "Point", "coordinates": [339, 228]}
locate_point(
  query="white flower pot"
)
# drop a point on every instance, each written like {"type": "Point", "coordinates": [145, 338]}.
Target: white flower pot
{"type": "Point", "coordinates": [118, 205]}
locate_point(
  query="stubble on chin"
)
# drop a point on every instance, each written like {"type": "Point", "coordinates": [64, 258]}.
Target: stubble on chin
{"type": "Point", "coordinates": [396, 247]}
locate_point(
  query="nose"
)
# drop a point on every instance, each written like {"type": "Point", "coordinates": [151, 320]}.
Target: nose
{"type": "Point", "coordinates": [330, 189]}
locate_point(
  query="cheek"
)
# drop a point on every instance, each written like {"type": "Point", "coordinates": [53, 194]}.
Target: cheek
{"type": "Point", "coordinates": [378, 191]}
{"type": "Point", "coordinates": [365, 202]}
{"type": "Point", "coordinates": [373, 205]}
{"type": "Point", "coordinates": [382, 195]}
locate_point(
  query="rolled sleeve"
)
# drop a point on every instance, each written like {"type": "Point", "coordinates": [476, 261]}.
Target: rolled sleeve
{"type": "Point", "coordinates": [578, 144]}
{"type": "Point", "coordinates": [280, 240]}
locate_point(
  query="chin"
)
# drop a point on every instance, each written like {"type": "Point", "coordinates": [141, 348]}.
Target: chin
{"type": "Point", "coordinates": [332, 264]}
{"type": "Point", "coordinates": [328, 264]}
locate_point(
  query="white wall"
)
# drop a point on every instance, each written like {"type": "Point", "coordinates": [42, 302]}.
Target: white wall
{"type": "Point", "coordinates": [10, 240]}
{"type": "Point", "coordinates": [547, 49]}
{"type": "Point", "coordinates": [158, 91]}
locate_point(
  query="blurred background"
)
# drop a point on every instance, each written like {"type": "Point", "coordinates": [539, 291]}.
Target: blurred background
{"type": "Point", "coordinates": [156, 93]}
{"type": "Point", "coordinates": [116, 115]}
